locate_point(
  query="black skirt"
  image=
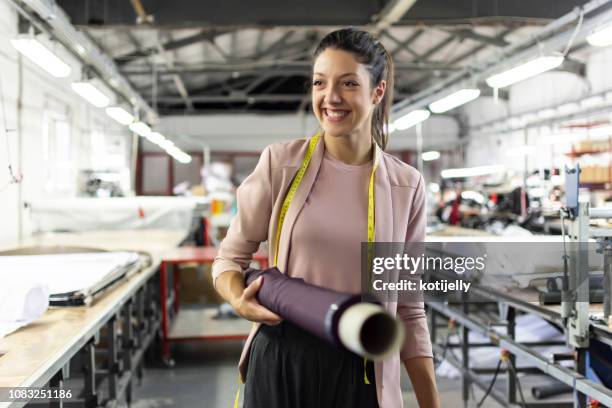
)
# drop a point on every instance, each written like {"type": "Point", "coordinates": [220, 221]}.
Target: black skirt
{"type": "Point", "coordinates": [291, 368]}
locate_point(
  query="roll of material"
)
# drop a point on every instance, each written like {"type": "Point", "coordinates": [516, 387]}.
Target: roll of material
{"type": "Point", "coordinates": [354, 322]}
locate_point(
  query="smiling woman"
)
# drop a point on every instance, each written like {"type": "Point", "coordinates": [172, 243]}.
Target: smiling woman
{"type": "Point", "coordinates": [315, 216]}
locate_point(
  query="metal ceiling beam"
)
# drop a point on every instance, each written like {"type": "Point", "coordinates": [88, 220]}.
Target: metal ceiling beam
{"type": "Point", "coordinates": [436, 48]}
{"type": "Point", "coordinates": [178, 81]}
{"type": "Point", "coordinates": [481, 38]}
{"type": "Point", "coordinates": [171, 45]}
{"type": "Point", "coordinates": [403, 45]}
{"type": "Point", "coordinates": [284, 68]}
{"type": "Point", "coordinates": [275, 46]}
{"type": "Point", "coordinates": [237, 98]}
{"type": "Point", "coordinates": [393, 11]}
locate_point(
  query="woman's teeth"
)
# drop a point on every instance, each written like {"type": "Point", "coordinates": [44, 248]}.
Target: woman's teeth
{"type": "Point", "coordinates": [335, 114]}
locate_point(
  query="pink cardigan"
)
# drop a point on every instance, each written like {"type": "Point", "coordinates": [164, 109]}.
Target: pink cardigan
{"type": "Point", "coordinates": [400, 215]}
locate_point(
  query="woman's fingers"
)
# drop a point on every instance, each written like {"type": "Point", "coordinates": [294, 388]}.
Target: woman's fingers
{"type": "Point", "coordinates": [266, 316]}
{"type": "Point", "coordinates": [251, 309]}
{"type": "Point", "coordinates": [251, 290]}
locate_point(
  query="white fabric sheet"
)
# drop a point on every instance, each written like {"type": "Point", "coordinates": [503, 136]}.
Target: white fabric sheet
{"type": "Point", "coordinates": [63, 273]}
{"type": "Point", "coordinates": [20, 304]}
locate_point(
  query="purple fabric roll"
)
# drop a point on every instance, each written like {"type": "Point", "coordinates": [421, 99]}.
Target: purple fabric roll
{"type": "Point", "coordinates": [313, 308]}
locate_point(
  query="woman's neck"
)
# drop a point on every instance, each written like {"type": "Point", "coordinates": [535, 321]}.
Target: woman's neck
{"type": "Point", "coordinates": [351, 149]}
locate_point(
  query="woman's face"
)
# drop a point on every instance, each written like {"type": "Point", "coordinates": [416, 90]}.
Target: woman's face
{"type": "Point", "coordinates": [343, 99]}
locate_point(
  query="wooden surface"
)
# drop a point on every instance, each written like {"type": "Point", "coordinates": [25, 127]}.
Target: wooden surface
{"type": "Point", "coordinates": [202, 255]}
{"type": "Point", "coordinates": [198, 324]}
{"type": "Point", "coordinates": [30, 353]}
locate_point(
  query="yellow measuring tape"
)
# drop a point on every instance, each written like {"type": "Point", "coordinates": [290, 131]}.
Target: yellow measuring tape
{"type": "Point", "coordinates": [297, 180]}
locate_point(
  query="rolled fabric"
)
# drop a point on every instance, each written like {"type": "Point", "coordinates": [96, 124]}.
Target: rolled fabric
{"type": "Point", "coordinates": [354, 322]}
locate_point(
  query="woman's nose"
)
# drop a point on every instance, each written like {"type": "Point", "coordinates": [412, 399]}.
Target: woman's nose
{"type": "Point", "coordinates": [333, 96]}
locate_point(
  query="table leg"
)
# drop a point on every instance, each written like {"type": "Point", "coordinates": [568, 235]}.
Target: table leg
{"type": "Point", "coordinates": [175, 281]}
{"type": "Point", "coordinates": [163, 282]}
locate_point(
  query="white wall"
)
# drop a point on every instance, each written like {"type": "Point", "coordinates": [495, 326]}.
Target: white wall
{"type": "Point", "coordinates": [41, 93]}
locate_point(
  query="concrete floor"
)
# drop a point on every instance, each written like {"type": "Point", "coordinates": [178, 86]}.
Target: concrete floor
{"type": "Point", "coordinates": [205, 375]}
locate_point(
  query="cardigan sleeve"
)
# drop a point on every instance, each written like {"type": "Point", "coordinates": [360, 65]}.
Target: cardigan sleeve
{"type": "Point", "coordinates": [249, 227]}
{"type": "Point", "coordinates": [417, 342]}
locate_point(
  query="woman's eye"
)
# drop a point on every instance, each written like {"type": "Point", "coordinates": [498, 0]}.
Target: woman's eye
{"type": "Point", "coordinates": [317, 82]}
{"type": "Point", "coordinates": [350, 83]}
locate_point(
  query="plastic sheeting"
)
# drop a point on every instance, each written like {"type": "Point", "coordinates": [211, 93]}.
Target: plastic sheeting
{"type": "Point", "coordinates": [89, 214]}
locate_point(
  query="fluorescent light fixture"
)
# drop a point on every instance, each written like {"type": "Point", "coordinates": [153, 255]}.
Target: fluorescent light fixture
{"type": "Point", "coordinates": [166, 144]}
{"type": "Point", "coordinates": [411, 119]}
{"type": "Point", "coordinates": [90, 93]}
{"type": "Point", "coordinates": [593, 101]}
{"type": "Point", "coordinates": [454, 100]}
{"type": "Point", "coordinates": [140, 128]}
{"type": "Point", "coordinates": [601, 37]}
{"type": "Point", "coordinates": [547, 113]}
{"type": "Point", "coordinates": [472, 171]}
{"type": "Point", "coordinates": [120, 115]}
{"type": "Point", "coordinates": [155, 137]}
{"type": "Point", "coordinates": [570, 107]}
{"type": "Point", "coordinates": [36, 52]}
{"type": "Point", "coordinates": [601, 131]}
{"type": "Point", "coordinates": [430, 156]}
{"type": "Point", "coordinates": [390, 128]}
{"type": "Point", "coordinates": [529, 117]}
{"type": "Point", "coordinates": [527, 70]}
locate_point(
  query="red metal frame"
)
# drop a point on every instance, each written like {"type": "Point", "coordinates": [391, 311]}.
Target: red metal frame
{"type": "Point", "coordinates": [199, 255]}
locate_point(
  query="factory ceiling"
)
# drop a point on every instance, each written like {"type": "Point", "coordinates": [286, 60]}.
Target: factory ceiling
{"type": "Point", "coordinates": [195, 57]}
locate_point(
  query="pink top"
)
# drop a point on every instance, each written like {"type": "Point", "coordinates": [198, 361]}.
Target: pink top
{"type": "Point", "coordinates": [326, 239]}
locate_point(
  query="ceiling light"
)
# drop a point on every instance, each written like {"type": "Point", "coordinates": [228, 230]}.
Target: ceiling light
{"type": "Point", "coordinates": [430, 156]}
{"type": "Point", "coordinates": [411, 119]}
{"type": "Point", "coordinates": [390, 128]}
{"type": "Point", "coordinates": [140, 128]}
{"type": "Point", "coordinates": [91, 94]}
{"type": "Point", "coordinates": [527, 70]}
{"type": "Point", "coordinates": [166, 144]}
{"type": "Point", "coordinates": [454, 100]}
{"type": "Point", "coordinates": [120, 115]}
{"type": "Point", "coordinates": [155, 137]}
{"type": "Point", "coordinates": [601, 131]}
{"type": "Point", "coordinates": [472, 171]}
{"type": "Point", "coordinates": [601, 37]}
{"type": "Point", "coordinates": [570, 107]}
{"type": "Point", "coordinates": [593, 101]}
{"type": "Point", "coordinates": [547, 113]}
{"type": "Point", "coordinates": [36, 52]}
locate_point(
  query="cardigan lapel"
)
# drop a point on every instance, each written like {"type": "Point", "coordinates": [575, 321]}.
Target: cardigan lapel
{"type": "Point", "coordinates": [383, 206]}
{"type": "Point", "coordinates": [299, 199]}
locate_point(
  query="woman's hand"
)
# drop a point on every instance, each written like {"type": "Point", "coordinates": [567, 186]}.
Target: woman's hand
{"type": "Point", "coordinates": [248, 307]}
{"type": "Point", "coordinates": [244, 300]}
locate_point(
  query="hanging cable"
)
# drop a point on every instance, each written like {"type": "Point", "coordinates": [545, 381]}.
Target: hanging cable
{"type": "Point", "coordinates": [450, 330]}
{"type": "Point", "coordinates": [486, 394]}
{"type": "Point", "coordinates": [13, 178]}
{"type": "Point", "coordinates": [513, 372]}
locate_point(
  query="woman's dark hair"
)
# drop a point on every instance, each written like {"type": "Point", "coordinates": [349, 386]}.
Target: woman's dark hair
{"type": "Point", "coordinates": [370, 52]}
